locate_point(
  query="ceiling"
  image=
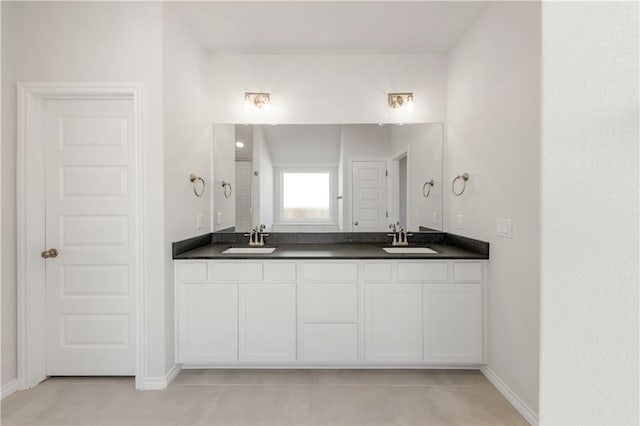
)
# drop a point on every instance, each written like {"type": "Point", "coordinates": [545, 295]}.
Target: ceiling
{"type": "Point", "coordinates": [329, 27]}
{"type": "Point", "coordinates": [303, 143]}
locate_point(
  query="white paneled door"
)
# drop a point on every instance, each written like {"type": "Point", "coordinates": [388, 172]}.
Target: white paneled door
{"type": "Point", "coordinates": [369, 196]}
{"type": "Point", "coordinates": [91, 222]}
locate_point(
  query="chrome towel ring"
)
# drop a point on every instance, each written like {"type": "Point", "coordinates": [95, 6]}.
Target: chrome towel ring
{"type": "Point", "coordinates": [193, 178]}
{"type": "Point", "coordinates": [226, 187]}
{"type": "Point", "coordinates": [465, 178]}
{"type": "Point", "coordinates": [428, 185]}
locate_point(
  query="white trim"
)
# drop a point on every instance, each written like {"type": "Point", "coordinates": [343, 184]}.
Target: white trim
{"type": "Point", "coordinates": [141, 312]}
{"type": "Point", "coordinates": [162, 382]}
{"type": "Point", "coordinates": [393, 186]}
{"type": "Point", "coordinates": [9, 388]}
{"type": "Point", "coordinates": [212, 177]}
{"type": "Point", "coordinates": [303, 165]}
{"type": "Point", "coordinates": [31, 315]}
{"type": "Point", "coordinates": [296, 366]}
{"type": "Point", "coordinates": [525, 411]}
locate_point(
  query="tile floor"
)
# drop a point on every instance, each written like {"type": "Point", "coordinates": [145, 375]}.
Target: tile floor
{"type": "Point", "coordinates": [269, 397]}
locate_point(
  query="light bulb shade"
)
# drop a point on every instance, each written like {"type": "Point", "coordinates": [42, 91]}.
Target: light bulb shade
{"type": "Point", "coordinates": [399, 100]}
{"type": "Point", "coordinates": [258, 100]}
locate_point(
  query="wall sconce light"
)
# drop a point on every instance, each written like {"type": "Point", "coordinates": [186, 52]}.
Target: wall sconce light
{"type": "Point", "coordinates": [257, 100]}
{"type": "Point", "coordinates": [399, 100]}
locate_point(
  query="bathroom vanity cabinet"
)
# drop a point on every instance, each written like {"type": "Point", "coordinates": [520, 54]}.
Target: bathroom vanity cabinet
{"type": "Point", "coordinates": [329, 313]}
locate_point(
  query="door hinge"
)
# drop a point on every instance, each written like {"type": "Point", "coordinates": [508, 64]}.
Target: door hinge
{"type": "Point", "coordinates": [386, 173]}
{"type": "Point", "coordinates": [387, 214]}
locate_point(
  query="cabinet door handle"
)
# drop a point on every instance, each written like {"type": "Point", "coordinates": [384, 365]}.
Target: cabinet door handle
{"type": "Point", "coordinates": [355, 223]}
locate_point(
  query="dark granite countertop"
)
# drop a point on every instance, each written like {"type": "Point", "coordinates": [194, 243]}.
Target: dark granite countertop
{"type": "Point", "coordinates": [355, 246]}
{"type": "Point", "coordinates": [329, 251]}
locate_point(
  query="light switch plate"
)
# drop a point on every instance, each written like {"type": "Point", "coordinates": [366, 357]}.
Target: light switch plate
{"type": "Point", "coordinates": [460, 221]}
{"type": "Point", "coordinates": [504, 228]}
{"type": "Point", "coordinates": [199, 221]}
{"type": "Point", "coordinates": [434, 218]}
{"type": "Point", "coordinates": [219, 218]}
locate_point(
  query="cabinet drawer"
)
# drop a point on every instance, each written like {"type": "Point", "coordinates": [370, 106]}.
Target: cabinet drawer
{"type": "Point", "coordinates": [237, 271]}
{"type": "Point", "coordinates": [467, 271]}
{"type": "Point", "coordinates": [196, 271]}
{"type": "Point", "coordinates": [330, 302]}
{"type": "Point", "coordinates": [330, 343]}
{"type": "Point", "coordinates": [377, 272]}
{"type": "Point", "coordinates": [330, 271]}
{"type": "Point", "coordinates": [422, 271]}
{"type": "Point", "coordinates": [280, 271]}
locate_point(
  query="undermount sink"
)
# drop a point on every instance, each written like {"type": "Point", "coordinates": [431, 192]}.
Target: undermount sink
{"type": "Point", "coordinates": [408, 250]}
{"type": "Point", "coordinates": [249, 250]}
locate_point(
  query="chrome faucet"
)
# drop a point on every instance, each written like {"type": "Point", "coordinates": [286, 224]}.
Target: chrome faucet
{"type": "Point", "coordinates": [261, 235]}
{"type": "Point", "coordinates": [400, 235]}
{"type": "Point", "coordinates": [394, 229]}
{"type": "Point", "coordinates": [256, 236]}
{"type": "Point", "coordinates": [404, 237]}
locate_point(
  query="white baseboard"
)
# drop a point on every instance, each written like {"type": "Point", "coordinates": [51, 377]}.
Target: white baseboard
{"type": "Point", "coordinates": [522, 408]}
{"type": "Point", "coordinates": [162, 382]}
{"type": "Point", "coordinates": [9, 388]}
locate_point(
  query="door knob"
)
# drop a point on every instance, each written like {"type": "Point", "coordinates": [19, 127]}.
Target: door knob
{"type": "Point", "coordinates": [49, 253]}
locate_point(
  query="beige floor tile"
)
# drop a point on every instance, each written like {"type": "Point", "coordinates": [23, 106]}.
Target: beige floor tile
{"type": "Point", "coordinates": [63, 403]}
{"type": "Point", "coordinates": [257, 405]}
{"type": "Point", "coordinates": [458, 405]}
{"type": "Point", "coordinates": [466, 377]}
{"type": "Point", "coordinates": [245, 377]}
{"type": "Point", "coordinates": [310, 377]}
{"type": "Point", "coordinates": [269, 397]}
{"type": "Point", "coordinates": [309, 405]}
{"type": "Point", "coordinates": [386, 377]}
{"type": "Point", "coordinates": [178, 405]}
{"type": "Point", "coordinates": [355, 405]}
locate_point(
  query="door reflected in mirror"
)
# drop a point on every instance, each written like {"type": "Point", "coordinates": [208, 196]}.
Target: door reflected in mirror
{"type": "Point", "coordinates": [328, 177]}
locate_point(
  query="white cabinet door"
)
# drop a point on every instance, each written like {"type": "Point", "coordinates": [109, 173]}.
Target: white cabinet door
{"type": "Point", "coordinates": [208, 323]}
{"type": "Point", "coordinates": [393, 323]}
{"type": "Point", "coordinates": [330, 343]}
{"type": "Point", "coordinates": [453, 323]}
{"type": "Point", "coordinates": [267, 323]}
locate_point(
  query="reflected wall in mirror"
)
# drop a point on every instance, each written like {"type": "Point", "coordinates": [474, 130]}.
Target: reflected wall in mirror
{"type": "Point", "coordinates": [328, 177]}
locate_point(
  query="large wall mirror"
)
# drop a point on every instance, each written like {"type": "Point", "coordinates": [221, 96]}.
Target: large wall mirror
{"type": "Point", "coordinates": [327, 177]}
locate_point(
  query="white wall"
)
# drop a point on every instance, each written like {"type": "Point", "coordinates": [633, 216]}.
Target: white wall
{"type": "Point", "coordinates": [244, 134]}
{"type": "Point", "coordinates": [425, 144]}
{"type": "Point", "coordinates": [224, 165]}
{"type": "Point", "coordinates": [86, 42]}
{"type": "Point", "coordinates": [493, 133]}
{"type": "Point", "coordinates": [402, 192]}
{"type": "Point", "coordinates": [589, 319]}
{"type": "Point", "coordinates": [327, 89]}
{"type": "Point", "coordinates": [265, 168]}
{"type": "Point", "coordinates": [187, 142]}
